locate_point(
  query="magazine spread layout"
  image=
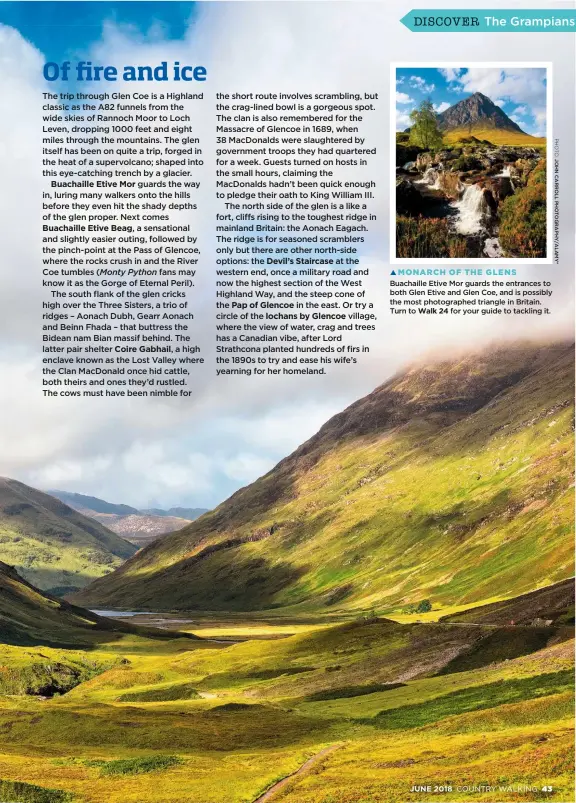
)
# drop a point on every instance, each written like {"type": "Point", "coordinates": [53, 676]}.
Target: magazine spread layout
{"type": "Point", "coordinates": [287, 395]}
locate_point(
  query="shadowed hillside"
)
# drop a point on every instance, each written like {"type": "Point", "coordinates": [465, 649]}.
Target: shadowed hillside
{"type": "Point", "coordinates": [551, 606]}
{"type": "Point", "coordinates": [29, 617]}
{"type": "Point", "coordinates": [449, 483]}
{"type": "Point", "coordinates": [52, 545]}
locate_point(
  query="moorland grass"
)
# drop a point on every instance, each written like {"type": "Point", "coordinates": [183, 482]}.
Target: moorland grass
{"type": "Point", "coordinates": [473, 699]}
{"type": "Point", "coordinates": [455, 506]}
{"type": "Point", "coordinates": [228, 749]}
{"type": "Point", "coordinates": [138, 766]}
{"type": "Point", "coordinates": [431, 238]}
{"type": "Point", "coordinates": [176, 691]}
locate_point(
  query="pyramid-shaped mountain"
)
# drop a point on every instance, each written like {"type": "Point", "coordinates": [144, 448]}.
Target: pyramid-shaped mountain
{"type": "Point", "coordinates": [476, 111]}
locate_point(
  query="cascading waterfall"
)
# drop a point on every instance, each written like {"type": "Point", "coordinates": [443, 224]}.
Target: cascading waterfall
{"type": "Point", "coordinates": [471, 209]}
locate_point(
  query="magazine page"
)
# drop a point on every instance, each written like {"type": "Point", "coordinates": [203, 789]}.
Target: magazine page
{"type": "Point", "coordinates": [287, 393]}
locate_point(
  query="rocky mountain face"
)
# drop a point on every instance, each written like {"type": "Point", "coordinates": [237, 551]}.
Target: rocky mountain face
{"type": "Point", "coordinates": [53, 546]}
{"type": "Point", "coordinates": [477, 110]}
{"type": "Point", "coordinates": [140, 527]}
{"type": "Point", "coordinates": [450, 483]}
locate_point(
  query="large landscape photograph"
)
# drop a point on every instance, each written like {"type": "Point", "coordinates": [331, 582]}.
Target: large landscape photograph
{"type": "Point", "coordinates": [392, 602]}
{"type": "Point", "coordinates": [471, 163]}
{"type": "Point", "coordinates": [354, 586]}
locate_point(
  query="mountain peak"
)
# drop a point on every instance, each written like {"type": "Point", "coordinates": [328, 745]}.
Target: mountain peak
{"type": "Point", "coordinates": [476, 111]}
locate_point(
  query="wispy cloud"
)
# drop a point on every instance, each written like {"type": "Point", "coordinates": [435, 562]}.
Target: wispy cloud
{"type": "Point", "coordinates": [419, 83]}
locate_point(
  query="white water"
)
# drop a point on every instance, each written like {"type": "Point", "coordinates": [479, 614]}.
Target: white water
{"type": "Point", "coordinates": [471, 209]}
{"type": "Point", "coordinates": [430, 178]}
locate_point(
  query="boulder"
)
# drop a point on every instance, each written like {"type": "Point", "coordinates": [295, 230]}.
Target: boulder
{"type": "Point", "coordinates": [424, 160]}
{"type": "Point", "coordinates": [406, 153]}
{"type": "Point", "coordinates": [500, 187]}
{"type": "Point", "coordinates": [521, 169]}
{"type": "Point", "coordinates": [450, 184]}
{"type": "Point", "coordinates": [445, 156]}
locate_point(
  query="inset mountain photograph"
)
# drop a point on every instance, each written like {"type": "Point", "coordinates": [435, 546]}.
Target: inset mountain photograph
{"type": "Point", "coordinates": [471, 173]}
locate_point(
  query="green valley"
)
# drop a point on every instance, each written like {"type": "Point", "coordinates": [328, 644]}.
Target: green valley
{"type": "Point", "coordinates": [451, 483]}
{"type": "Point", "coordinates": [374, 704]}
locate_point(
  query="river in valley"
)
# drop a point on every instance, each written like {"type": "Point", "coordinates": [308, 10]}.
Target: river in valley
{"type": "Point", "coordinates": [221, 627]}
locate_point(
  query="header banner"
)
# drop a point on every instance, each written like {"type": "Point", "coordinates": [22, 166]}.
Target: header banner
{"type": "Point", "coordinates": [490, 20]}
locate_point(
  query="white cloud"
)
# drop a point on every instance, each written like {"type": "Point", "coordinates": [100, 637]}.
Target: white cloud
{"type": "Point", "coordinates": [450, 73]}
{"type": "Point", "coordinates": [402, 97]}
{"type": "Point", "coordinates": [441, 107]}
{"type": "Point", "coordinates": [402, 120]}
{"type": "Point", "coordinates": [419, 83]}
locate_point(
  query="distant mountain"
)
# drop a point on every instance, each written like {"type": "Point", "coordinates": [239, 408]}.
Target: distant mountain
{"type": "Point", "coordinates": [140, 527]}
{"type": "Point", "coordinates": [477, 111]}
{"type": "Point", "coordinates": [449, 484]}
{"type": "Point", "coordinates": [82, 502]}
{"type": "Point", "coordinates": [51, 544]}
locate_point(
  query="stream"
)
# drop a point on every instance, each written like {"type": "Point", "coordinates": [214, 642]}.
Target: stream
{"type": "Point", "coordinates": [470, 214]}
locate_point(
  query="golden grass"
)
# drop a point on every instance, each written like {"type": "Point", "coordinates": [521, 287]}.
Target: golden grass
{"type": "Point", "coordinates": [496, 136]}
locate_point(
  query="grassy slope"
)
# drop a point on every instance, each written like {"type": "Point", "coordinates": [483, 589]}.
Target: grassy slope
{"type": "Point", "coordinates": [497, 136]}
{"type": "Point", "coordinates": [247, 725]}
{"type": "Point", "coordinates": [52, 545]}
{"type": "Point", "coordinates": [451, 482]}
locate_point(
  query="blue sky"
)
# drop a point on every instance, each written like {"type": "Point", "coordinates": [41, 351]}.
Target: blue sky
{"type": "Point", "coordinates": [62, 29]}
{"type": "Point", "coordinates": [519, 91]}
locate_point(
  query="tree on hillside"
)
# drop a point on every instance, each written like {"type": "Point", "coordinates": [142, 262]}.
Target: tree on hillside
{"type": "Point", "coordinates": [424, 131]}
